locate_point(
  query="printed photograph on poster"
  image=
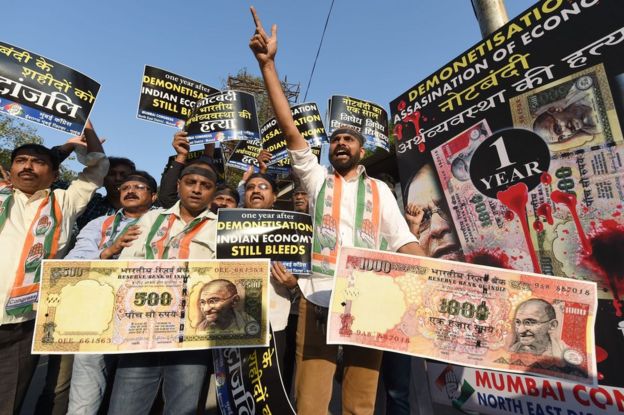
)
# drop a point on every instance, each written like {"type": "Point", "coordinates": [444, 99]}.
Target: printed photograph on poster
{"type": "Point", "coordinates": [223, 116]}
{"type": "Point", "coordinates": [167, 98]}
{"type": "Point", "coordinates": [576, 111]}
{"type": "Point", "coordinates": [38, 89]}
{"type": "Point", "coordinates": [540, 188]}
{"type": "Point", "coordinates": [368, 118]}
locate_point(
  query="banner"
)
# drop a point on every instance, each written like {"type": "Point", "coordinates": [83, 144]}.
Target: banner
{"type": "Point", "coordinates": [283, 236]}
{"type": "Point", "coordinates": [477, 316]}
{"type": "Point", "coordinates": [223, 116]}
{"type": "Point", "coordinates": [41, 90]}
{"type": "Point", "coordinates": [148, 306]}
{"type": "Point", "coordinates": [249, 377]}
{"type": "Point", "coordinates": [168, 98]}
{"type": "Point", "coordinates": [366, 117]}
{"type": "Point", "coordinates": [486, 392]}
{"type": "Point", "coordinates": [513, 151]}
{"type": "Point", "coordinates": [308, 121]}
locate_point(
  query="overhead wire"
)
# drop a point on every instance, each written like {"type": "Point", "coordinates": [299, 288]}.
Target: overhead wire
{"type": "Point", "coordinates": [305, 97]}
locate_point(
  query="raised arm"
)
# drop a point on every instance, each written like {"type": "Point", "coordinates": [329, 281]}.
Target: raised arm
{"type": "Point", "coordinates": [264, 49]}
{"type": "Point", "coordinates": [94, 145]}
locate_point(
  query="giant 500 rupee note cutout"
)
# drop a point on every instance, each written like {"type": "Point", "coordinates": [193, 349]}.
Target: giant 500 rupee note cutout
{"type": "Point", "coordinates": [143, 306]}
{"type": "Point", "coordinates": [464, 314]}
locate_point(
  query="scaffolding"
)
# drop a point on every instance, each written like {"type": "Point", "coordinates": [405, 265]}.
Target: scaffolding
{"type": "Point", "coordinates": [245, 82]}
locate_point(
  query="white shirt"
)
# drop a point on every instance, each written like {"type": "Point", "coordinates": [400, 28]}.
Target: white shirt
{"type": "Point", "coordinates": [22, 212]}
{"type": "Point", "coordinates": [203, 244]}
{"type": "Point", "coordinates": [317, 288]}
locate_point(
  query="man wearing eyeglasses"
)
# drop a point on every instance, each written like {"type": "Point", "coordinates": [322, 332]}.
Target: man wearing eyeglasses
{"type": "Point", "coordinates": [104, 238]}
{"type": "Point", "coordinates": [217, 303]}
{"type": "Point", "coordinates": [185, 231]}
{"type": "Point", "coordinates": [536, 330]}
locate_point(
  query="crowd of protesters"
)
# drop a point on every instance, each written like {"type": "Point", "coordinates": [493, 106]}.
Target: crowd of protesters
{"type": "Point", "coordinates": [41, 219]}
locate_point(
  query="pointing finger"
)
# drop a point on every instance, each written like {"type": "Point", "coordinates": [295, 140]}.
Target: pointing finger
{"type": "Point", "coordinates": [257, 22]}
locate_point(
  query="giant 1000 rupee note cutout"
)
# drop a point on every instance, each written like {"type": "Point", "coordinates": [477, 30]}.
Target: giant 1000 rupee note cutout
{"type": "Point", "coordinates": [143, 306]}
{"type": "Point", "coordinates": [464, 314]}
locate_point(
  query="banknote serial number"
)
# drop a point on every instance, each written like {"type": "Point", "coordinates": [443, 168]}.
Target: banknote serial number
{"type": "Point", "coordinates": [86, 340]}
{"type": "Point", "coordinates": [466, 309]}
{"type": "Point", "coordinates": [572, 290]}
{"type": "Point", "coordinates": [152, 299]}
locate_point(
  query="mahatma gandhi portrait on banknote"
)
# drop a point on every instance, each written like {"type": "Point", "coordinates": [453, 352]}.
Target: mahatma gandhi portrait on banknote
{"type": "Point", "coordinates": [569, 113]}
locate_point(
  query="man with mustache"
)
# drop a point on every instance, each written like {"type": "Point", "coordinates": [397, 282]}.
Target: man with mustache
{"type": "Point", "coordinates": [261, 193]}
{"type": "Point", "coordinates": [104, 238]}
{"type": "Point", "coordinates": [351, 209]}
{"type": "Point", "coordinates": [536, 323]}
{"type": "Point", "coordinates": [217, 303]}
{"type": "Point", "coordinates": [185, 231]}
{"type": "Point", "coordinates": [35, 223]}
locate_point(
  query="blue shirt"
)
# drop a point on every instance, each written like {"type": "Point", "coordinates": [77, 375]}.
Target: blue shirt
{"type": "Point", "coordinates": [89, 239]}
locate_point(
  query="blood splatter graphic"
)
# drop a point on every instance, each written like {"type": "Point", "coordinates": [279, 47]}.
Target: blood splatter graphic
{"type": "Point", "coordinates": [606, 258]}
{"type": "Point", "coordinates": [490, 257]}
{"type": "Point", "coordinates": [569, 200]}
{"type": "Point", "coordinates": [509, 215]}
{"type": "Point", "coordinates": [546, 178]}
{"type": "Point", "coordinates": [414, 118]}
{"type": "Point", "coordinates": [601, 354]}
{"type": "Point", "coordinates": [401, 106]}
{"type": "Point", "coordinates": [538, 225]}
{"type": "Point", "coordinates": [545, 210]}
{"type": "Point", "coordinates": [398, 131]}
{"type": "Point", "coordinates": [515, 198]}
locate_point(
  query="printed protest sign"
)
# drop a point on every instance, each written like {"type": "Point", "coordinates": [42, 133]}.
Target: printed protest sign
{"type": "Point", "coordinates": [168, 98]}
{"type": "Point", "coordinates": [223, 116]}
{"type": "Point", "coordinates": [283, 236]}
{"type": "Point", "coordinates": [370, 119]}
{"type": "Point", "coordinates": [41, 90]}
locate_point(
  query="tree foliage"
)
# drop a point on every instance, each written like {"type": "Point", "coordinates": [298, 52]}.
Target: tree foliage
{"type": "Point", "coordinates": [14, 133]}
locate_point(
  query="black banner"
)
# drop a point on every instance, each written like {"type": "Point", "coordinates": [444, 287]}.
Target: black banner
{"type": "Point", "coordinates": [224, 116]}
{"type": "Point", "coordinates": [370, 119]}
{"type": "Point", "coordinates": [41, 90]}
{"type": "Point", "coordinates": [167, 98]}
{"type": "Point", "coordinates": [249, 381]}
{"type": "Point", "coordinates": [309, 123]}
{"type": "Point", "coordinates": [283, 236]}
{"type": "Point", "coordinates": [514, 151]}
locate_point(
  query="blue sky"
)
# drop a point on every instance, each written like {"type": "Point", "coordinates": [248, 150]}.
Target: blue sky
{"type": "Point", "coordinates": [372, 50]}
